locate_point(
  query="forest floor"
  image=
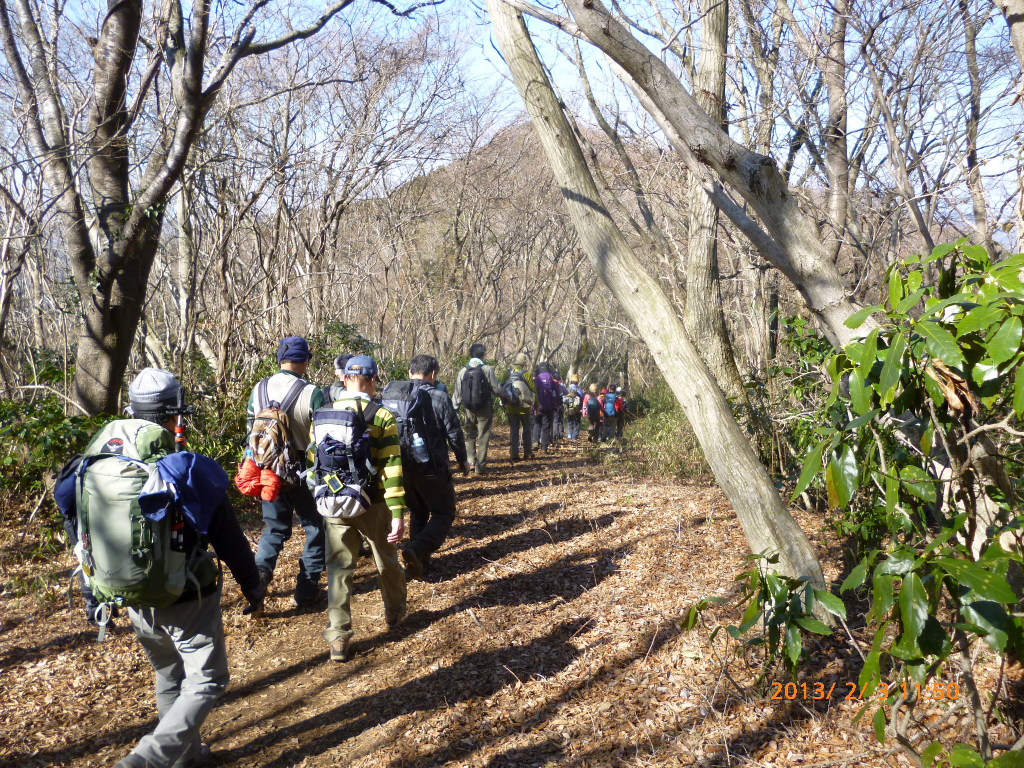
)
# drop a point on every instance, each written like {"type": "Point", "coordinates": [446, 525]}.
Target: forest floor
{"type": "Point", "coordinates": [548, 635]}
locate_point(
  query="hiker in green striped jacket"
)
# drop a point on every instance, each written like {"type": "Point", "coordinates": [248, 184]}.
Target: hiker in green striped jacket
{"type": "Point", "coordinates": [383, 524]}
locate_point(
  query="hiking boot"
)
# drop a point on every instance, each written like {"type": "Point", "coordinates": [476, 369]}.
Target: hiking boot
{"type": "Point", "coordinates": [364, 548]}
{"type": "Point", "coordinates": [131, 760]}
{"type": "Point", "coordinates": [479, 470]}
{"type": "Point", "coordinates": [307, 592]}
{"type": "Point", "coordinates": [339, 650]}
{"type": "Point", "coordinates": [201, 758]}
{"type": "Point", "coordinates": [413, 565]}
{"type": "Point", "coordinates": [393, 616]}
{"type": "Point", "coordinates": [266, 575]}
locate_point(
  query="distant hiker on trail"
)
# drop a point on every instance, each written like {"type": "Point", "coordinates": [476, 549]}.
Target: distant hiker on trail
{"type": "Point", "coordinates": [592, 407]}
{"type": "Point", "coordinates": [131, 500]}
{"type": "Point", "coordinates": [333, 391]}
{"type": "Point", "coordinates": [356, 474]}
{"type": "Point", "coordinates": [548, 397]}
{"type": "Point", "coordinates": [558, 424]}
{"type": "Point", "coordinates": [428, 426]}
{"type": "Point", "coordinates": [519, 396]}
{"type": "Point", "coordinates": [287, 393]}
{"type": "Point", "coordinates": [620, 412]}
{"type": "Point", "coordinates": [475, 389]}
{"type": "Point", "coordinates": [610, 407]}
{"type": "Point", "coordinates": [573, 404]}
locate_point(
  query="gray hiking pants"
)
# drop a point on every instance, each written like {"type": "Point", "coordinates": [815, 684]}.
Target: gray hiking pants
{"type": "Point", "coordinates": [185, 645]}
{"type": "Point", "coordinates": [477, 427]}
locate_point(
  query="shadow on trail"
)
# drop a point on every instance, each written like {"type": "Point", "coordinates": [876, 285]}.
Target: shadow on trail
{"type": "Point", "coordinates": [472, 675]}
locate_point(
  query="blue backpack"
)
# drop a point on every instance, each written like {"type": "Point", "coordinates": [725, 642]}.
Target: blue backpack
{"type": "Point", "coordinates": [609, 404]}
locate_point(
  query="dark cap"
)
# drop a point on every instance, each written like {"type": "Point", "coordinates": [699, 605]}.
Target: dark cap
{"type": "Point", "coordinates": [361, 365]}
{"type": "Point", "coordinates": [294, 349]}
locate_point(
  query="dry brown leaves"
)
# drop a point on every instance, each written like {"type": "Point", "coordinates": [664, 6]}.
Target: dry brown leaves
{"type": "Point", "coordinates": [547, 636]}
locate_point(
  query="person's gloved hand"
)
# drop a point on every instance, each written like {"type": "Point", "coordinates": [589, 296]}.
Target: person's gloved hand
{"type": "Point", "coordinates": [255, 599]}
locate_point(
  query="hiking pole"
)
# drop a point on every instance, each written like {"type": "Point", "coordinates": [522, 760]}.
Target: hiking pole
{"type": "Point", "coordinates": [180, 411]}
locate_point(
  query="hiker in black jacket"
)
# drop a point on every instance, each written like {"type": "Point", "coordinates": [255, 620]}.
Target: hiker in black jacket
{"type": "Point", "coordinates": [430, 495]}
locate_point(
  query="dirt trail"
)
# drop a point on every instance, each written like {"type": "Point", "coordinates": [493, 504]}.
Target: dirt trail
{"type": "Point", "coordinates": [547, 635]}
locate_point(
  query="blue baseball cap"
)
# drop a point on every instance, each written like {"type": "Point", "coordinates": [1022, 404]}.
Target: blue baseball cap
{"type": "Point", "coordinates": [294, 349]}
{"type": "Point", "coordinates": [361, 365]}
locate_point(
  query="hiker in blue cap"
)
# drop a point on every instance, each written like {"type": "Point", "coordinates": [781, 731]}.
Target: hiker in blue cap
{"type": "Point", "coordinates": [296, 397]}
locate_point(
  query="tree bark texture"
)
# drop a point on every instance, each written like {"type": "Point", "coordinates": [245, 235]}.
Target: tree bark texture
{"type": "Point", "coordinates": [704, 316]}
{"type": "Point", "coordinates": [767, 523]}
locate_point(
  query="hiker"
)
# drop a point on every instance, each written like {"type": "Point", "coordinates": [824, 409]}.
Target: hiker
{"type": "Point", "coordinates": [558, 424]}
{"type": "Point", "coordinates": [573, 404]}
{"type": "Point", "coordinates": [547, 400]}
{"type": "Point", "coordinates": [357, 484]}
{"type": "Point", "coordinates": [428, 426]}
{"type": "Point", "coordinates": [608, 413]}
{"type": "Point", "coordinates": [620, 412]}
{"type": "Point", "coordinates": [333, 390]}
{"type": "Point", "coordinates": [475, 388]}
{"type": "Point", "coordinates": [297, 399]}
{"type": "Point", "coordinates": [592, 406]}
{"type": "Point", "coordinates": [520, 396]}
{"type": "Point", "coordinates": [132, 499]}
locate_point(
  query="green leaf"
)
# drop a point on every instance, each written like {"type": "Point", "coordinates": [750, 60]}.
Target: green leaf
{"type": "Point", "coordinates": [869, 351]}
{"type": "Point", "coordinates": [898, 563]}
{"type": "Point", "coordinates": [813, 625]}
{"type": "Point", "coordinates": [913, 606]}
{"type": "Point", "coordinates": [904, 306]}
{"type": "Point", "coordinates": [750, 616]}
{"type": "Point", "coordinates": [1018, 393]}
{"type": "Point", "coordinates": [881, 595]}
{"type": "Point", "coordinates": [986, 584]}
{"type": "Point", "coordinates": [895, 288]}
{"type": "Point", "coordinates": [870, 676]}
{"type": "Point", "coordinates": [861, 420]}
{"type": "Point", "coordinates": [860, 394]}
{"type": "Point", "coordinates": [856, 577]}
{"type": "Point", "coordinates": [993, 619]}
{"type": "Point", "coordinates": [793, 644]}
{"type": "Point", "coordinates": [856, 320]}
{"type": "Point", "coordinates": [938, 252]}
{"type": "Point", "coordinates": [893, 368]}
{"type": "Point", "coordinates": [933, 638]}
{"type": "Point", "coordinates": [842, 475]}
{"type": "Point", "coordinates": [979, 319]}
{"type": "Point", "coordinates": [940, 343]}
{"type": "Point", "coordinates": [1011, 759]}
{"type": "Point", "coordinates": [930, 752]}
{"type": "Point", "coordinates": [879, 722]}
{"type": "Point", "coordinates": [812, 466]}
{"type": "Point", "coordinates": [892, 494]}
{"type": "Point", "coordinates": [1006, 342]}
{"type": "Point", "coordinates": [964, 756]}
{"type": "Point", "coordinates": [830, 602]}
{"type": "Point", "coordinates": [918, 482]}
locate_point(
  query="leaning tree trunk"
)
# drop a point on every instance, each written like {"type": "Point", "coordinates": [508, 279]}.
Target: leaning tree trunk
{"type": "Point", "coordinates": [704, 317]}
{"type": "Point", "coordinates": [767, 523]}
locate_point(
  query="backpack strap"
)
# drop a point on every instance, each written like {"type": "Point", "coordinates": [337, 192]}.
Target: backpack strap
{"type": "Point", "coordinates": [367, 414]}
{"type": "Point", "coordinates": [293, 394]}
{"type": "Point", "coordinates": [262, 396]}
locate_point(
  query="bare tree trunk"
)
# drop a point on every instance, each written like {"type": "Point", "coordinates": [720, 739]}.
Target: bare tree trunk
{"type": "Point", "coordinates": [704, 317]}
{"type": "Point", "coordinates": [766, 522]}
{"type": "Point", "coordinates": [973, 120]}
{"type": "Point", "coordinates": [1013, 12]}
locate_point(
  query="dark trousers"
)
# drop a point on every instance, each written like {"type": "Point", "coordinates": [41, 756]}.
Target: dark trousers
{"type": "Point", "coordinates": [431, 502]}
{"type": "Point", "coordinates": [573, 427]}
{"type": "Point", "coordinates": [595, 429]}
{"type": "Point", "coordinates": [277, 529]}
{"type": "Point", "coordinates": [545, 419]}
{"type": "Point", "coordinates": [558, 425]}
{"type": "Point", "coordinates": [520, 425]}
{"type": "Point", "coordinates": [620, 420]}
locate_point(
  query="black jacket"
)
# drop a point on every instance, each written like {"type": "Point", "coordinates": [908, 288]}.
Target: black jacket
{"type": "Point", "coordinates": [443, 430]}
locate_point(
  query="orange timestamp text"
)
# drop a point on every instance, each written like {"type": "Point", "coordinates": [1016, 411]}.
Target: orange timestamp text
{"type": "Point", "coordinates": [935, 691]}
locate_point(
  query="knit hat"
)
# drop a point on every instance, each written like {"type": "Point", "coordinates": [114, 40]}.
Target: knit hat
{"type": "Point", "coordinates": [521, 360]}
{"type": "Point", "coordinates": [293, 349]}
{"type": "Point", "coordinates": [361, 365]}
{"type": "Point", "coordinates": [152, 392]}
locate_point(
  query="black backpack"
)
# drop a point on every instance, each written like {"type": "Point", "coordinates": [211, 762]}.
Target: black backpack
{"type": "Point", "coordinates": [410, 405]}
{"type": "Point", "coordinates": [476, 390]}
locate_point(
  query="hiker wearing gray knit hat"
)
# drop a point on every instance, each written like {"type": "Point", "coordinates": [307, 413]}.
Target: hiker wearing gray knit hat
{"type": "Point", "coordinates": [152, 394]}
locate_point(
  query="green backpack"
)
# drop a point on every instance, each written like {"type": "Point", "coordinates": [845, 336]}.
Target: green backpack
{"type": "Point", "coordinates": [129, 560]}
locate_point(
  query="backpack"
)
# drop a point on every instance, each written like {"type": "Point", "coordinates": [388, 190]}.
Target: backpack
{"type": "Point", "coordinates": [609, 404]}
{"type": "Point", "coordinates": [343, 470]}
{"type": "Point", "coordinates": [593, 408]}
{"type": "Point", "coordinates": [128, 559]}
{"type": "Point", "coordinates": [476, 390]}
{"type": "Point", "coordinates": [571, 402]}
{"type": "Point", "coordinates": [270, 439]}
{"type": "Point", "coordinates": [547, 400]}
{"type": "Point", "coordinates": [409, 404]}
{"type": "Point", "coordinates": [517, 392]}
{"type": "Point", "coordinates": [620, 404]}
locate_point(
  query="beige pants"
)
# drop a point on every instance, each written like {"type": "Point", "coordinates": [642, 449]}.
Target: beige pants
{"type": "Point", "coordinates": [342, 556]}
